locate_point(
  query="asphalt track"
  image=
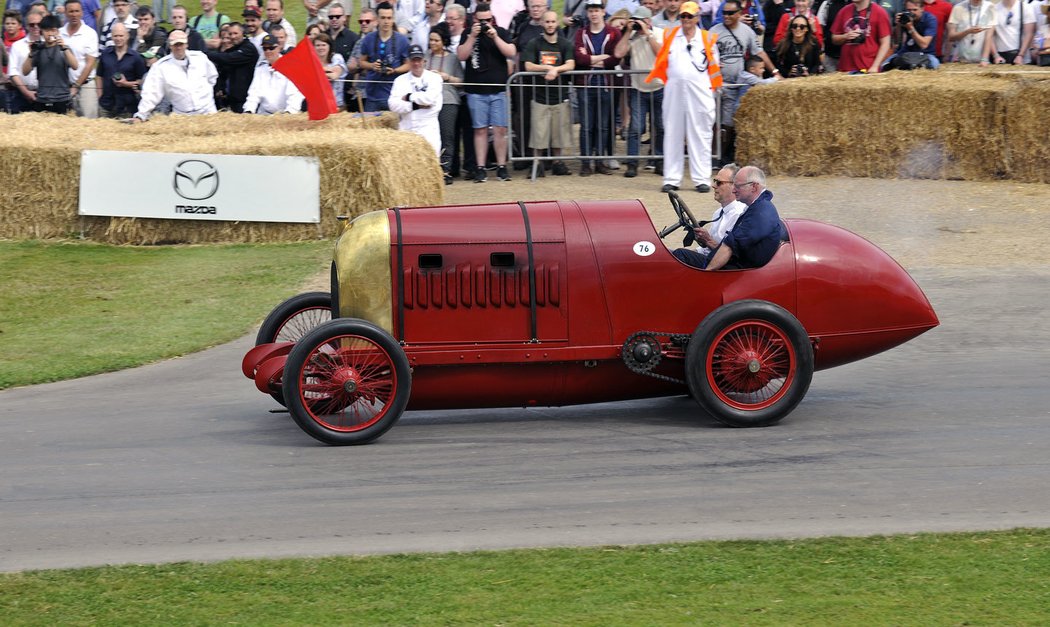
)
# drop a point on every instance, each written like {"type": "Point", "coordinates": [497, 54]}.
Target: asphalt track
{"type": "Point", "coordinates": [183, 461]}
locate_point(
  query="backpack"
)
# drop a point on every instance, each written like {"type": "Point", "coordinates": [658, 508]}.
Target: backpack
{"type": "Point", "coordinates": [911, 61]}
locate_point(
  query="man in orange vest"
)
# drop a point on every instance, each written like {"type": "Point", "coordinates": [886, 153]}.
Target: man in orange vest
{"type": "Point", "coordinates": [688, 65]}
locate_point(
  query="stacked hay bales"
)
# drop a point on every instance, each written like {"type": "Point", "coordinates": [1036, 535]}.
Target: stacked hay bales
{"type": "Point", "coordinates": [365, 164]}
{"type": "Point", "coordinates": [960, 122]}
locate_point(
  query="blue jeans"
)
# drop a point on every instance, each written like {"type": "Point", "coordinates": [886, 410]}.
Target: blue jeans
{"type": "Point", "coordinates": [595, 122]}
{"type": "Point", "coordinates": [645, 105]}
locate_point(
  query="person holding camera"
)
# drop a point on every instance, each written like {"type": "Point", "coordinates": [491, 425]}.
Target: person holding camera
{"type": "Point", "coordinates": [969, 31]}
{"type": "Point", "coordinates": [53, 61]}
{"type": "Point", "coordinates": [799, 55]}
{"type": "Point", "coordinates": [640, 43]}
{"type": "Point", "coordinates": [384, 57]}
{"type": "Point", "coordinates": [120, 73]}
{"type": "Point", "coordinates": [486, 51]}
{"type": "Point", "coordinates": [917, 31]}
{"type": "Point", "coordinates": [863, 30]}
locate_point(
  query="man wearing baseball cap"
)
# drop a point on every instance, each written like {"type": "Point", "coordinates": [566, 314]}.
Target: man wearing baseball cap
{"type": "Point", "coordinates": [185, 77]}
{"type": "Point", "coordinates": [688, 64]}
{"type": "Point", "coordinates": [271, 92]}
{"type": "Point", "coordinates": [416, 96]}
{"type": "Point", "coordinates": [253, 31]}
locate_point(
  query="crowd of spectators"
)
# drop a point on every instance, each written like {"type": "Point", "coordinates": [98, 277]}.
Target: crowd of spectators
{"type": "Point", "coordinates": [134, 60]}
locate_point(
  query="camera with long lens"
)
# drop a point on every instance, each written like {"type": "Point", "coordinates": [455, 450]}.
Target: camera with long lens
{"type": "Point", "coordinates": [904, 18]}
{"type": "Point", "coordinates": [636, 24]}
{"type": "Point", "coordinates": [485, 28]}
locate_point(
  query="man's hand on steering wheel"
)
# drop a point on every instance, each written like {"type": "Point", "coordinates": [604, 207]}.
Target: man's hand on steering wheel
{"type": "Point", "coordinates": [685, 217]}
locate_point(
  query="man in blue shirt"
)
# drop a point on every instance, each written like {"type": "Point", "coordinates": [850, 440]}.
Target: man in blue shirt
{"type": "Point", "coordinates": [917, 31]}
{"type": "Point", "coordinates": [757, 234]}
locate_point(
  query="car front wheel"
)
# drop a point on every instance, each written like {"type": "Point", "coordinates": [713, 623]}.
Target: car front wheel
{"type": "Point", "coordinates": [346, 382]}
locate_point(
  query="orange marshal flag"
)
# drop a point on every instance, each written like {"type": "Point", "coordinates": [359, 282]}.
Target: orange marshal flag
{"type": "Point", "coordinates": [304, 69]}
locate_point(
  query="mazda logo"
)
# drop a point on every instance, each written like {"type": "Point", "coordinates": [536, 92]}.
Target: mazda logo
{"type": "Point", "coordinates": [196, 179]}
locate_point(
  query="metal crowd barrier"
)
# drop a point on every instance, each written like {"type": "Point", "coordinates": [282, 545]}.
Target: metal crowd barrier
{"type": "Point", "coordinates": [519, 95]}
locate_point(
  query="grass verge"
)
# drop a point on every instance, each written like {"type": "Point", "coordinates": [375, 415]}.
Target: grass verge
{"type": "Point", "coordinates": [73, 309]}
{"type": "Point", "coordinates": [995, 578]}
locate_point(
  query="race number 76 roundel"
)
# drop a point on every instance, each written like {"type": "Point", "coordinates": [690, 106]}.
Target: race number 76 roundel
{"type": "Point", "coordinates": [644, 249]}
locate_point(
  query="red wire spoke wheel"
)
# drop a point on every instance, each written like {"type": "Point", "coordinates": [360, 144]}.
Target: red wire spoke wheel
{"type": "Point", "coordinates": [749, 363]}
{"type": "Point", "coordinates": [346, 382]}
{"type": "Point", "coordinates": [295, 317]}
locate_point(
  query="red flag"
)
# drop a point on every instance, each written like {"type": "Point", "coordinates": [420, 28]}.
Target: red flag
{"type": "Point", "coordinates": [304, 69]}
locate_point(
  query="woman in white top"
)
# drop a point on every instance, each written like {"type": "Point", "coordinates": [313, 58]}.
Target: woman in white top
{"type": "Point", "coordinates": [334, 66]}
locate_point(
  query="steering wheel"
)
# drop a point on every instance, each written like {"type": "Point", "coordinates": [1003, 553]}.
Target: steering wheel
{"type": "Point", "coordinates": [685, 217]}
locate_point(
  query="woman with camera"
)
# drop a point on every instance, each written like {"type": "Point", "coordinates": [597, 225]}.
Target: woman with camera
{"type": "Point", "coordinates": [799, 54]}
{"type": "Point", "coordinates": [52, 59]}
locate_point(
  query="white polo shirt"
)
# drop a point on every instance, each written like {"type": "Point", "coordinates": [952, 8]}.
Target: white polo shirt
{"type": "Point", "coordinates": [83, 44]}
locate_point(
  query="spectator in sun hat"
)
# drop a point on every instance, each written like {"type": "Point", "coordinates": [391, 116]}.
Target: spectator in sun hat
{"type": "Point", "coordinates": [185, 78]}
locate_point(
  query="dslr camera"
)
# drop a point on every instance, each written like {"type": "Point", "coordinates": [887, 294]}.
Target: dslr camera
{"type": "Point", "coordinates": [383, 66]}
{"type": "Point", "coordinates": [636, 24]}
{"type": "Point", "coordinates": [485, 28]}
{"type": "Point", "coordinates": [904, 18]}
{"type": "Point", "coordinates": [36, 46]}
{"type": "Point", "coordinates": [578, 21]}
{"type": "Point", "coordinates": [798, 70]}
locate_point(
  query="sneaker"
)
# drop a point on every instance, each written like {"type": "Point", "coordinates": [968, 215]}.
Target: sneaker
{"type": "Point", "coordinates": [659, 169]}
{"type": "Point", "coordinates": [668, 188]}
{"type": "Point", "coordinates": [449, 179]}
{"type": "Point", "coordinates": [585, 170]}
{"type": "Point", "coordinates": [650, 167]}
{"type": "Point", "coordinates": [469, 175]}
{"type": "Point", "coordinates": [502, 173]}
{"type": "Point", "coordinates": [632, 171]}
{"type": "Point", "coordinates": [560, 169]}
{"type": "Point", "coordinates": [703, 188]}
{"type": "Point", "coordinates": [612, 164]}
{"type": "Point", "coordinates": [601, 168]}
{"type": "Point", "coordinates": [480, 176]}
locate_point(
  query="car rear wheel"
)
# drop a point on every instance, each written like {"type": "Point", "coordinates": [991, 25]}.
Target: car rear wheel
{"type": "Point", "coordinates": [295, 317]}
{"type": "Point", "coordinates": [749, 363]}
{"type": "Point", "coordinates": [347, 382]}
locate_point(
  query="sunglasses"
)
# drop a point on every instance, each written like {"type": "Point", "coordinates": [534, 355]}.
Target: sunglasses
{"type": "Point", "coordinates": [364, 21]}
{"type": "Point", "coordinates": [730, 12]}
{"type": "Point", "coordinates": [270, 47]}
{"type": "Point", "coordinates": [1009, 17]}
{"type": "Point", "coordinates": [686, 16]}
{"type": "Point", "coordinates": [32, 24]}
{"type": "Point", "coordinates": [717, 182]}
{"type": "Point", "coordinates": [799, 27]}
{"type": "Point", "coordinates": [335, 17]}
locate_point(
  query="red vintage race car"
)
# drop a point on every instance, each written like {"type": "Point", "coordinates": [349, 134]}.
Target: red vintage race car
{"type": "Point", "coordinates": [560, 303]}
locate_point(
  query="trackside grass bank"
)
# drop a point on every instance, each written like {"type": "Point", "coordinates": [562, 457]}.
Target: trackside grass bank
{"type": "Point", "coordinates": [73, 309]}
{"type": "Point", "coordinates": [997, 578]}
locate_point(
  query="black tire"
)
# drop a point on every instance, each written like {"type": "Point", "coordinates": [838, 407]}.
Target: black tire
{"type": "Point", "coordinates": [749, 363]}
{"type": "Point", "coordinates": [347, 382]}
{"type": "Point", "coordinates": [295, 317]}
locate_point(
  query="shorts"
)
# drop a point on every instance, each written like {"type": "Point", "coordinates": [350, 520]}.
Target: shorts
{"type": "Point", "coordinates": [551, 126]}
{"type": "Point", "coordinates": [488, 109]}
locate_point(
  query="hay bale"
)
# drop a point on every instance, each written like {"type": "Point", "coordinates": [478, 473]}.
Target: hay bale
{"type": "Point", "coordinates": [365, 164]}
{"type": "Point", "coordinates": [1027, 150]}
{"type": "Point", "coordinates": [949, 124]}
